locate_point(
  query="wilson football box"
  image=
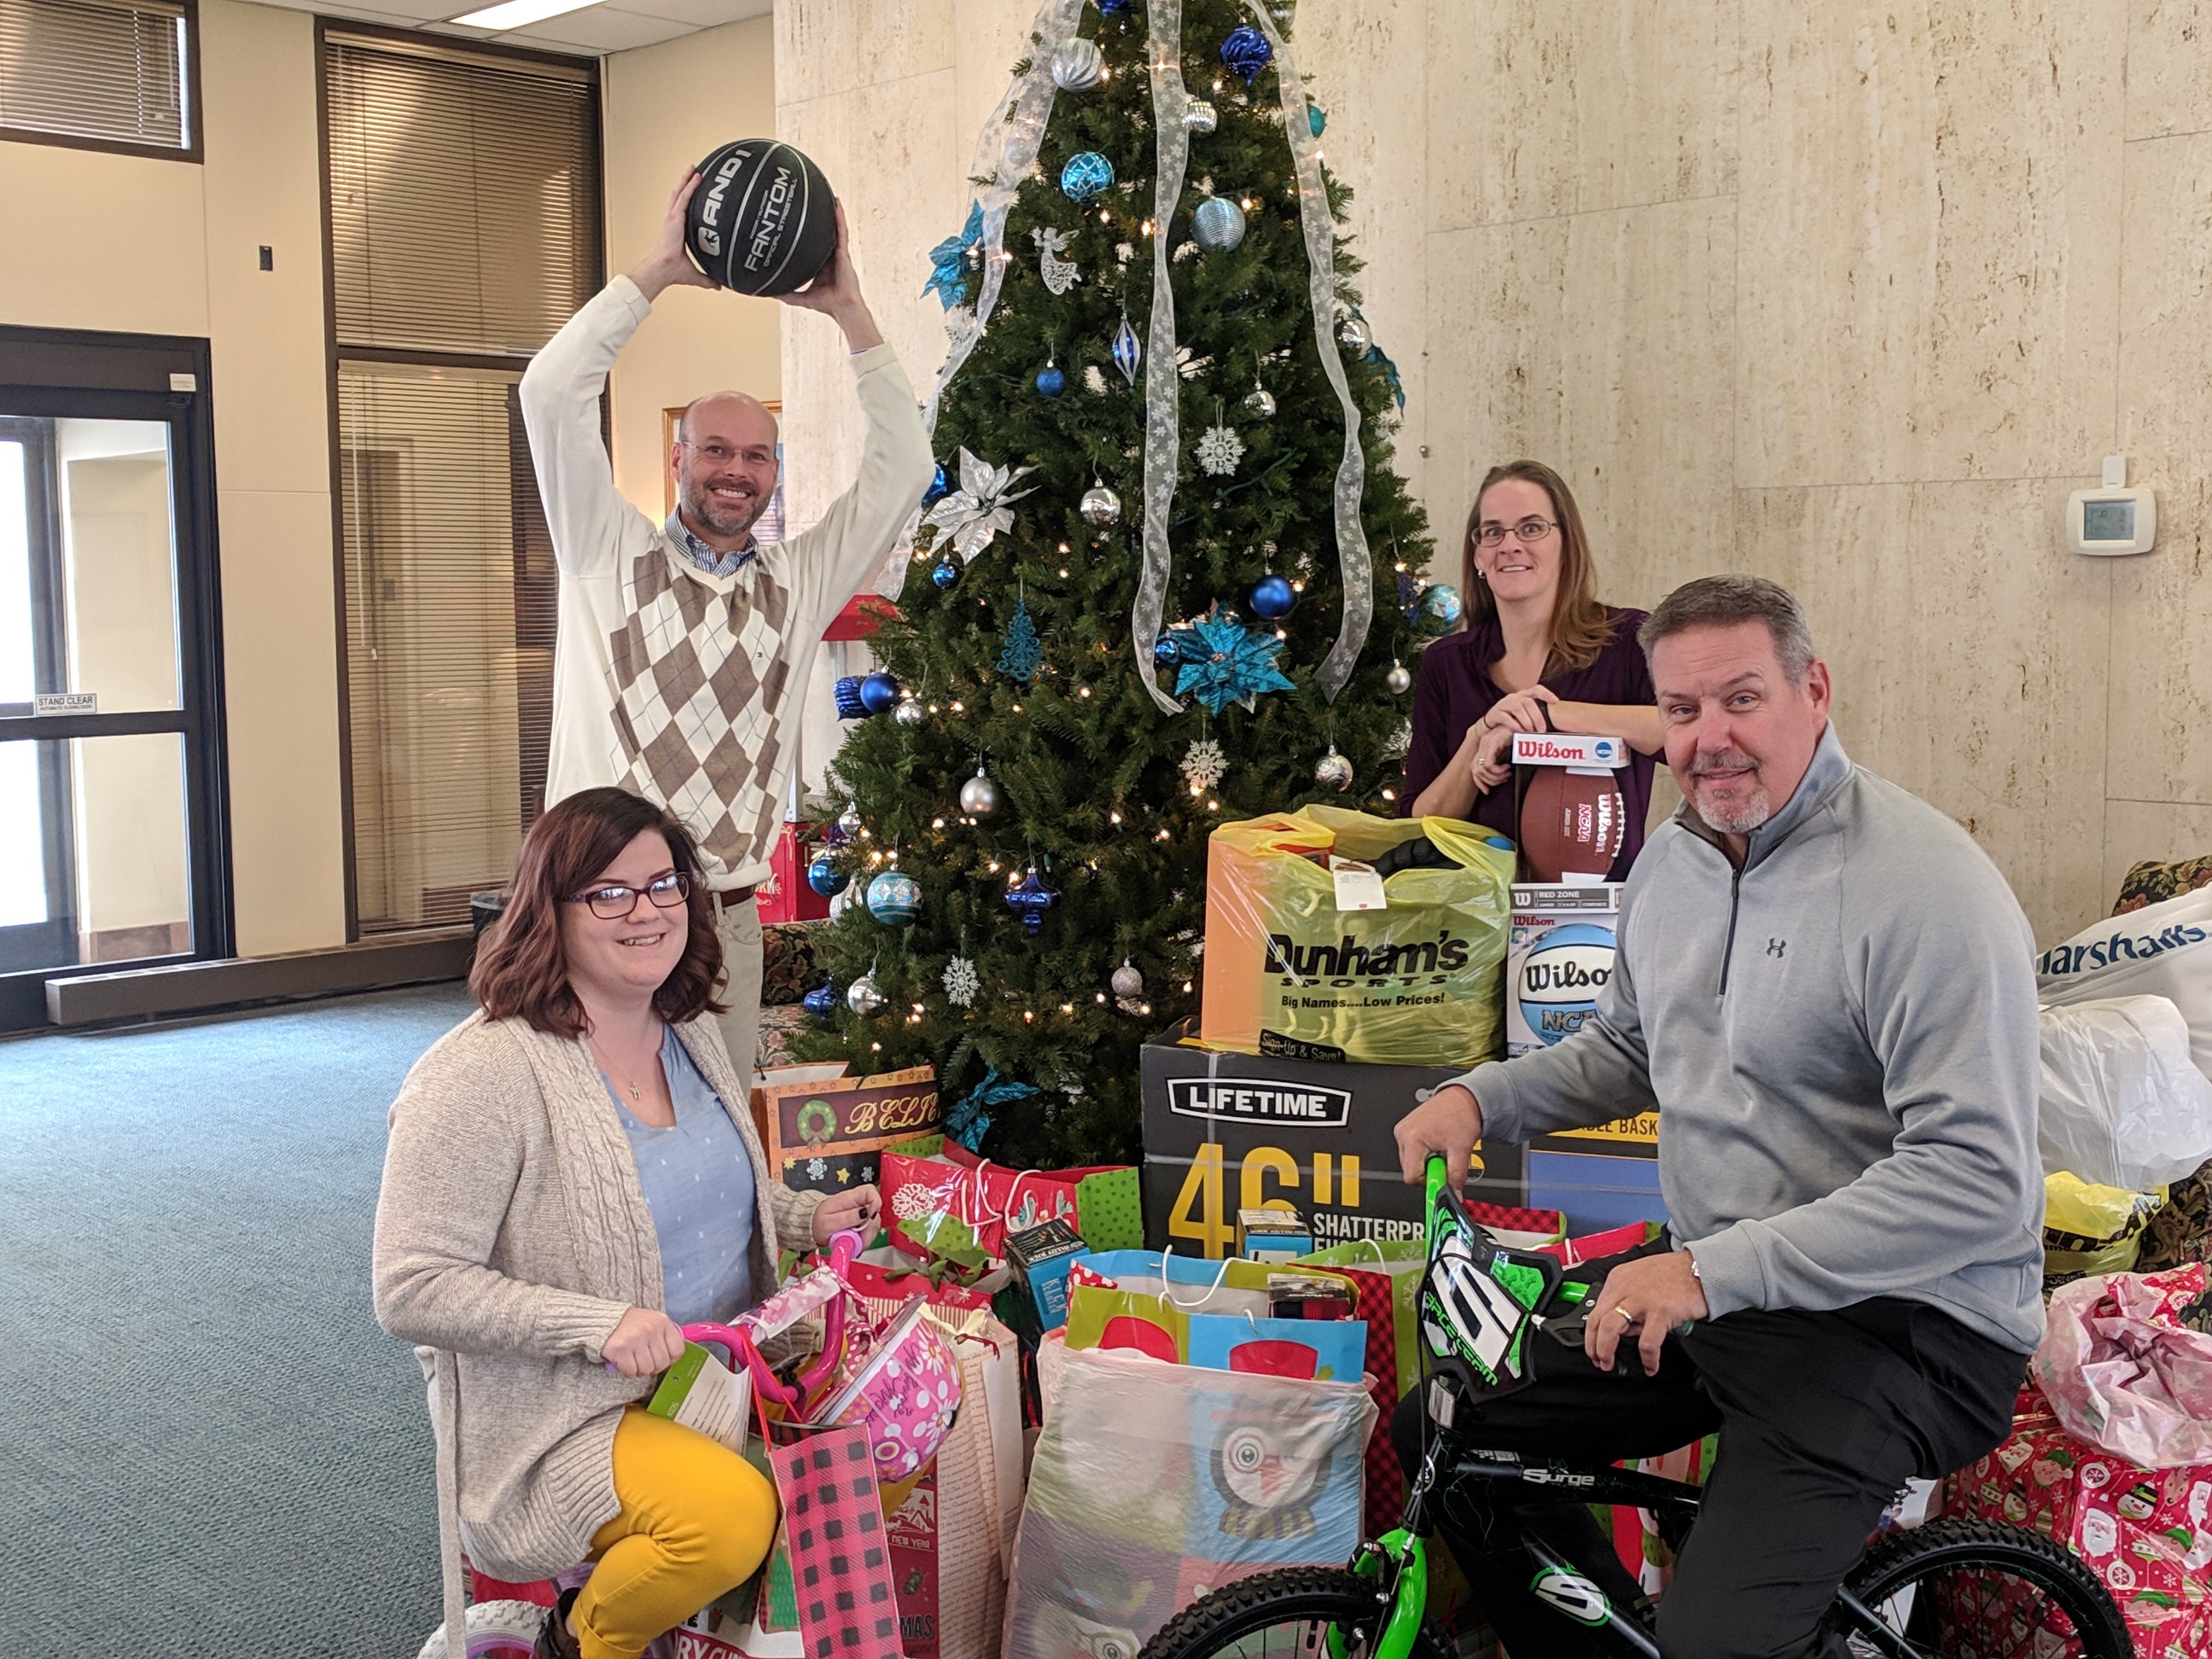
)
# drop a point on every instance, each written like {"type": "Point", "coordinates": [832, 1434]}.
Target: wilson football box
{"type": "Point", "coordinates": [1228, 1132]}
{"type": "Point", "coordinates": [1573, 816]}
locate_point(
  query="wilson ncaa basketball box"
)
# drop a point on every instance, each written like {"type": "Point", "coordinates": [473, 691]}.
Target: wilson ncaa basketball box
{"type": "Point", "coordinates": [1558, 955]}
{"type": "Point", "coordinates": [1227, 1132]}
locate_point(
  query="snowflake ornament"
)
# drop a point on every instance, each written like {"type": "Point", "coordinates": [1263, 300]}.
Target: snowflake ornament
{"type": "Point", "coordinates": [1204, 764]}
{"type": "Point", "coordinates": [1220, 450]}
{"type": "Point", "coordinates": [961, 981]}
{"type": "Point", "coordinates": [1399, 742]}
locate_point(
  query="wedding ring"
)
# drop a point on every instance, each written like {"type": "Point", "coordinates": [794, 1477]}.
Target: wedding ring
{"type": "Point", "coordinates": [1625, 1315]}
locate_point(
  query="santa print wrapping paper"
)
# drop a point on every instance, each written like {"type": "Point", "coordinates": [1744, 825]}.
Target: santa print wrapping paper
{"type": "Point", "coordinates": [2146, 1533]}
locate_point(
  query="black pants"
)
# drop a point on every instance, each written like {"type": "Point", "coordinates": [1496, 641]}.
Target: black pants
{"type": "Point", "coordinates": [1822, 1416]}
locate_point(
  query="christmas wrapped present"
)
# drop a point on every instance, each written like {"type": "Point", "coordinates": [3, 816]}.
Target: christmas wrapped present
{"type": "Point", "coordinates": [1335, 936]}
{"type": "Point", "coordinates": [827, 1131]}
{"type": "Point", "coordinates": [2146, 1533]}
{"type": "Point", "coordinates": [2126, 1364]}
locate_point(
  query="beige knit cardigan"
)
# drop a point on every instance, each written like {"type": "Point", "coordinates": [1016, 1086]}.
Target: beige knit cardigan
{"type": "Point", "coordinates": [511, 1236]}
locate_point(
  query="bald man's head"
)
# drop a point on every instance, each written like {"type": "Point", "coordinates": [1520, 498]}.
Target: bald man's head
{"type": "Point", "coordinates": [725, 466]}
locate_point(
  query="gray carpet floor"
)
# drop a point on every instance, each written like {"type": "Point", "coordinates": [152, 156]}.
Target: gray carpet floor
{"type": "Point", "coordinates": [210, 1450]}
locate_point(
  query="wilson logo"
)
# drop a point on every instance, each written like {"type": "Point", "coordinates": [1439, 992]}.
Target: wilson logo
{"type": "Point", "coordinates": [1252, 1100]}
{"type": "Point", "coordinates": [1348, 959]}
{"type": "Point", "coordinates": [2115, 948]}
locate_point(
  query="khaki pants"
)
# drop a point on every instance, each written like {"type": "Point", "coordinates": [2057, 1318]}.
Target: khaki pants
{"type": "Point", "coordinates": [739, 929]}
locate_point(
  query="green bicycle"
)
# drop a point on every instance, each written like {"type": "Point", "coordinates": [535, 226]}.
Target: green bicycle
{"type": "Point", "coordinates": [1962, 1588]}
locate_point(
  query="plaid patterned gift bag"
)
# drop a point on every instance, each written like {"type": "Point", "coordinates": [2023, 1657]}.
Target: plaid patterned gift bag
{"type": "Point", "coordinates": [833, 1526]}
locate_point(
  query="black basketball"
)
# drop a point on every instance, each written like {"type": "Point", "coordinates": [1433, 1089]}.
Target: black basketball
{"type": "Point", "coordinates": [763, 220]}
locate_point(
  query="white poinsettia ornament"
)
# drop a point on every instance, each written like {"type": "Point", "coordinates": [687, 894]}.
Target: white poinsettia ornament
{"type": "Point", "coordinates": [977, 512]}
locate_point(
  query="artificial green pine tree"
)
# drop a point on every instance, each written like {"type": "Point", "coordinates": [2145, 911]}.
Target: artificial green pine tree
{"type": "Point", "coordinates": [1100, 797]}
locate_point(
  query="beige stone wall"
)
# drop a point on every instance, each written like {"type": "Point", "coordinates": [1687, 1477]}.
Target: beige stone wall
{"type": "Point", "coordinates": [1849, 295]}
{"type": "Point", "coordinates": [190, 266]}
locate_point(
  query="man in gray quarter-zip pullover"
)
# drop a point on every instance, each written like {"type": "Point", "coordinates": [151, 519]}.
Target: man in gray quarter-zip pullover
{"type": "Point", "coordinates": [1826, 991]}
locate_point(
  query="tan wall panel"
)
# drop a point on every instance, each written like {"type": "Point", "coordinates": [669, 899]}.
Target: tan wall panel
{"type": "Point", "coordinates": [100, 241]}
{"type": "Point", "coordinates": [825, 46]}
{"type": "Point", "coordinates": [2169, 67]}
{"type": "Point", "coordinates": [666, 107]}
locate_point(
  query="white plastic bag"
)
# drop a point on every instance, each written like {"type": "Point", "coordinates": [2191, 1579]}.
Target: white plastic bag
{"type": "Point", "coordinates": [2122, 1102]}
{"type": "Point", "coordinates": [2160, 951]}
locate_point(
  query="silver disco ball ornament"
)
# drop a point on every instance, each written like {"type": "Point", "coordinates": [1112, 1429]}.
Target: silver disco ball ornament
{"type": "Point", "coordinates": [1077, 66]}
{"type": "Point", "coordinates": [1127, 983]}
{"type": "Point", "coordinates": [1201, 116]}
{"type": "Point", "coordinates": [1333, 770]}
{"type": "Point", "coordinates": [1100, 506]}
{"type": "Point", "coordinates": [979, 796]}
{"type": "Point", "coordinates": [1218, 224]}
{"type": "Point", "coordinates": [910, 712]}
{"type": "Point", "coordinates": [1260, 401]}
{"type": "Point", "coordinates": [849, 823]}
{"type": "Point", "coordinates": [1353, 331]}
{"type": "Point", "coordinates": [863, 998]}
{"type": "Point", "coordinates": [1399, 679]}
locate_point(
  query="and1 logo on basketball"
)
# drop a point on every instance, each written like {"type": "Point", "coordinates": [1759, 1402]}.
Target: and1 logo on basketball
{"type": "Point", "coordinates": [1561, 977]}
{"type": "Point", "coordinates": [710, 237]}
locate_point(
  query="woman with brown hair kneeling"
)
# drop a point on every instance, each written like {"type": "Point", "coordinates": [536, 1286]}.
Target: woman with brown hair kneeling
{"type": "Point", "coordinates": [572, 1175]}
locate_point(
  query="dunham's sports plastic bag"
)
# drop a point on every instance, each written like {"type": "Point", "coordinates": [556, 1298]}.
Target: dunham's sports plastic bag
{"type": "Point", "coordinates": [1293, 969]}
{"type": "Point", "coordinates": [2122, 1103]}
{"type": "Point", "coordinates": [1154, 1483]}
{"type": "Point", "coordinates": [2160, 951]}
{"type": "Point", "coordinates": [2088, 1228]}
{"type": "Point", "coordinates": [2123, 1370]}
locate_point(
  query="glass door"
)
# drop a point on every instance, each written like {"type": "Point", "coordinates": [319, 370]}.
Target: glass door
{"type": "Point", "coordinates": [109, 813]}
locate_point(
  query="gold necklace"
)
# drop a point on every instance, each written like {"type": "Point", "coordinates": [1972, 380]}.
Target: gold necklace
{"type": "Point", "coordinates": [633, 1090]}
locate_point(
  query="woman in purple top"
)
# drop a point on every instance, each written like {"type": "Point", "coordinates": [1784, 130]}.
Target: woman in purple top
{"type": "Point", "coordinates": [1538, 654]}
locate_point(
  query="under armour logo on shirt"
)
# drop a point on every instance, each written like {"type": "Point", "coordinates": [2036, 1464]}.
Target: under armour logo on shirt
{"type": "Point", "coordinates": [1775, 947]}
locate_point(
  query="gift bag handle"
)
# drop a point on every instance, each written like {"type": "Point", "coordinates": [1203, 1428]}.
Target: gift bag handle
{"type": "Point", "coordinates": [1168, 1293]}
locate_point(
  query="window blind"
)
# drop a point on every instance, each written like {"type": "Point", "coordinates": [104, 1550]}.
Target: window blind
{"type": "Point", "coordinates": [115, 73]}
{"type": "Point", "coordinates": [449, 606]}
{"type": "Point", "coordinates": [465, 197]}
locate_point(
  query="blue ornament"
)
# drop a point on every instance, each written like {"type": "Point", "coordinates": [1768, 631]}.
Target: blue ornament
{"type": "Point", "coordinates": [1023, 653]}
{"type": "Point", "coordinates": [894, 898]}
{"type": "Point", "coordinates": [1087, 174]}
{"type": "Point", "coordinates": [847, 690]}
{"type": "Point", "coordinates": [824, 876]}
{"type": "Point", "coordinates": [939, 487]}
{"type": "Point", "coordinates": [1218, 224]}
{"type": "Point", "coordinates": [1316, 119]}
{"type": "Point", "coordinates": [1247, 52]}
{"type": "Point", "coordinates": [1222, 662]}
{"type": "Point", "coordinates": [946, 576]}
{"type": "Point", "coordinates": [1441, 606]}
{"type": "Point", "coordinates": [1031, 901]}
{"type": "Point", "coordinates": [1273, 597]}
{"type": "Point", "coordinates": [1164, 653]}
{"type": "Point", "coordinates": [948, 260]}
{"type": "Point", "coordinates": [1112, 8]}
{"type": "Point", "coordinates": [1050, 381]}
{"type": "Point", "coordinates": [822, 1001]}
{"type": "Point", "coordinates": [1128, 351]}
{"type": "Point", "coordinates": [967, 1120]}
{"type": "Point", "coordinates": [878, 693]}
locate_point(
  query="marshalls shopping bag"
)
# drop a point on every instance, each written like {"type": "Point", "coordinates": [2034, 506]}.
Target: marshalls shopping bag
{"type": "Point", "coordinates": [1333, 935]}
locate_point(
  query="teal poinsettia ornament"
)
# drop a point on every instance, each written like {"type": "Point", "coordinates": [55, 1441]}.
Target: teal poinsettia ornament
{"type": "Point", "coordinates": [1220, 661]}
{"type": "Point", "coordinates": [968, 1120]}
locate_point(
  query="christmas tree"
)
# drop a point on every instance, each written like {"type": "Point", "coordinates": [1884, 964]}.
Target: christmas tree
{"type": "Point", "coordinates": [1140, 506]}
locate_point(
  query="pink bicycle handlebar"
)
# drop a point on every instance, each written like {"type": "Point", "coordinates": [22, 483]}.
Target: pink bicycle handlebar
{"type": "Point", "coordinates": [844, 1248]}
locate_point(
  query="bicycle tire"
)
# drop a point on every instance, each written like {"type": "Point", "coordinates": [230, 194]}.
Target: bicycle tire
{"type": "Point", "coordinates": [1968, 1614]}
{"type": "Point", "coordinates": [1223, 1622]}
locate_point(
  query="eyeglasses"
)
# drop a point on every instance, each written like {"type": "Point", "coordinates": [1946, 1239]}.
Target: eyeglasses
{"type": "Point", "coordinates": [1527, 532]}
{"type": "Point", "coordinates": [613, 903]}
{"type": "Point", "coordinates": [722, 454]}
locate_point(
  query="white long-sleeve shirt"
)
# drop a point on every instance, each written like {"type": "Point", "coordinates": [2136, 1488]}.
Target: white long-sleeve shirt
{"type": "Point", "coordinates": [668, 680]}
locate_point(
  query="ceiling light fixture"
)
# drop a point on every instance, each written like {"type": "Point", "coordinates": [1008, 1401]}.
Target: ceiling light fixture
{"type": "Point", "coordinates": [518, 14]}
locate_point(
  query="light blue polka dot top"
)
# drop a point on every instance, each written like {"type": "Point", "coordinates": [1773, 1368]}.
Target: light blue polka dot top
{"type": "Point", "coordinates": [698, 1183]}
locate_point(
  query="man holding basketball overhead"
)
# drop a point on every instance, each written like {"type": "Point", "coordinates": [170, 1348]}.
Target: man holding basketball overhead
{"type": "Point", "coordinates": [685, 646]}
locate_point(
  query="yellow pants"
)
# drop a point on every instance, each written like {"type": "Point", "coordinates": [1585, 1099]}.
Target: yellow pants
{"type": "Point", "coordinates": [695, 1522]}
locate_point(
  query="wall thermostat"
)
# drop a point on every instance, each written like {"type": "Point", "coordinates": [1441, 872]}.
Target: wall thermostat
{"type": "Point", "coordinates": [2113, 519]}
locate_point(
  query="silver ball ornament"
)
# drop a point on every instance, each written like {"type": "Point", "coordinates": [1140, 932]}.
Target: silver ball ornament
{"type": "Point", "coordinates": [1333, 770]}
{"type": "Point", "coordinates": [1217, 225]}
{"type": "Point", "coordinates": [910, 712]}
{"type": "Point", "coordinates": [1126, 982]}
{"type": "Point", "coordinates": [864, 999]}
{"type": "Point", "coordinates": [1100, 506]}
{"type": "Point", "coordinates": [1353, 331]}
{"type": "Point", "coordinates": [1399, 679]}
{"type": "Point", "coordinates": [1260, 402]}
{"type": "Point", "coordinates": [1201, 116]}
{"type": "Point", "coordinates": [849, 823]}
{"type": "Point", "coordinates": [1077, 66]}
{"type": "Point", "coordinates": [979, 796]}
